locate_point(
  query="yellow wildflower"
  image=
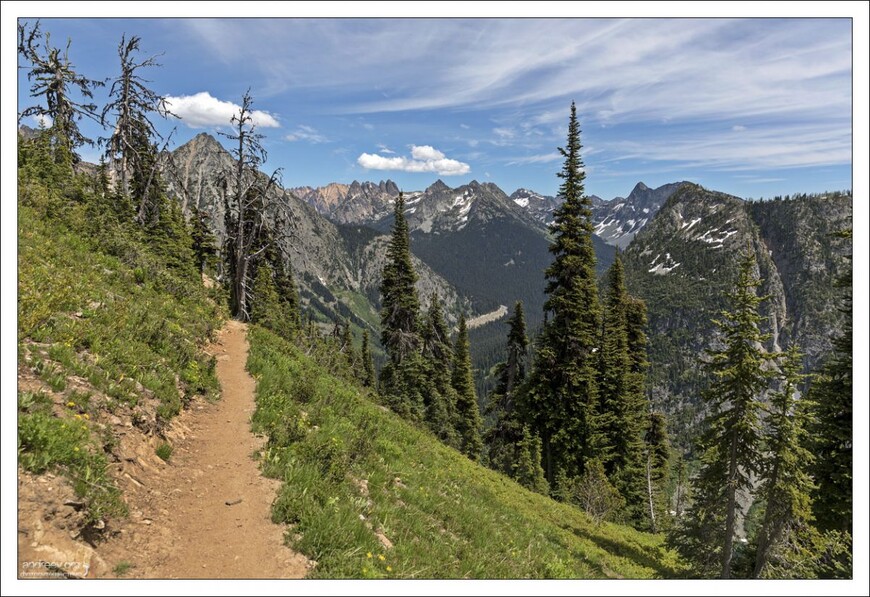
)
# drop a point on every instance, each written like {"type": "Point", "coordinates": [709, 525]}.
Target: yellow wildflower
{"type": "Point", "coordinates": [71, 404]}
{"type": "Point", "coordinates": [87, 416]}
{"type": "Point", "coordinates": [381, 557]}
{"type": "Point", "coordinates": [77, 416]}
{"type": "Point", "coordinates": [76, 449]}
{"type": "Point", "coordinates": [368, 554]}
{"type": "Point", "coordinates": [389, 568]}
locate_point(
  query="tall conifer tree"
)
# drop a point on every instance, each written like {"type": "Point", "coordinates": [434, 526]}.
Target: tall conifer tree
{"type": "Point", "coordinates": [440, 399]}
{"type": "Point", "coordinates": [732, 441]}
{"type": "Point", "coordinates": [507, 431]}
{"type": "Point", "coordinates": [468, 420]}
{"type": "Point", "coordinates": [786, 483]}
{"type": "Point", "coordinates": [832, 432]}
{"type": "Point", "coordinates": [622, 401]}
{"type": "Point", "coordinates": [564, 392]}
{"type": "Point", "coordinates": [400, 305]}
{"type": "Point", "coordinates": [403, 377]}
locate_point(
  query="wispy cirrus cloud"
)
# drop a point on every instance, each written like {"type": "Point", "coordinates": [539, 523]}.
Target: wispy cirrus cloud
{"type": "Point", "coordinates": [424, 158]}
{"type": "Point", "coordinates": [542, 158]}
{"type": "Point", "coordinates": [202, 110]}
{"type": "Point", "coordinates": [306, 133]}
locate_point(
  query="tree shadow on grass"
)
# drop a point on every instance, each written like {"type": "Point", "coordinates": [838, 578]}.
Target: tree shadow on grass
{"type": "Point", "coordinates": [650, 557]}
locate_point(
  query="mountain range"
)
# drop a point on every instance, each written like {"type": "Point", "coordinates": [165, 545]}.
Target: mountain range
{"type": "Point", "coordinates": [481, 250]}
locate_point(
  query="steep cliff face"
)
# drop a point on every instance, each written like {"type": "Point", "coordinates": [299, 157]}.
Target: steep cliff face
{"type": "Point", "coordinates": [337, 278]}
{"type": "Point", "coordinates": [684, 262]}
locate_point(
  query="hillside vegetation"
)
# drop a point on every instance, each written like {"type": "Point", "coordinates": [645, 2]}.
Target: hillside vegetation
{"type": "Point", "coordinates": [107, 330]}
{"type": "Point", "coordinates": [369, 495]}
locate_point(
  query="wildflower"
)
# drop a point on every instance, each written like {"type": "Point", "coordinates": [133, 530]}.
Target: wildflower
{"type": "Point", "coordinates": [368, 554]}
{"type": "Point", "coordinates": [87, 416]}
{"type": "Point", "coordinates": [77, 416]}
{"type": "Point", "coordinates": [71, 404]}
{"type": "Point", "coordinates": [389, 568]}
{"type": "Point", "coordinates": [381, 557]}
{"type": "Point", "coordinates": [76, 449]}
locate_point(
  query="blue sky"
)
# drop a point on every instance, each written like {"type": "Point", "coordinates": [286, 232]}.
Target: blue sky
{"type": "Point", "coordinates": [753, 107]}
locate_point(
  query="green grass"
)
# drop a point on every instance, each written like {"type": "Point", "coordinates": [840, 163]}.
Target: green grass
{"type": "Point", "coordinates": [446, 516]}
{"type": "Point", "coordinates": [107, 327]}
{"type": "Point", "coordinates": [122, 568]}
{"type": "Point", "coordinates": [164, 451]}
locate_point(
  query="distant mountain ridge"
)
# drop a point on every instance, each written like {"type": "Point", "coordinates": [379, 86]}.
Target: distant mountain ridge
{"type": "Point", "coordinates": [338, 273]}
{"type": "Point", "coordinates": [616, 221]}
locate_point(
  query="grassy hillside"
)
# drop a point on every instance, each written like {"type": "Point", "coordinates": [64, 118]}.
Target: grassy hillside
{"type": "Point", "coordinates": [106, 330]}
{"type": "Point", "coordinates": [369, 496]}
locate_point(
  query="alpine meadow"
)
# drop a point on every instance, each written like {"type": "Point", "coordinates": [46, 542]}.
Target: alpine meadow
{"type": "Point", "coordinates": [243, 354]}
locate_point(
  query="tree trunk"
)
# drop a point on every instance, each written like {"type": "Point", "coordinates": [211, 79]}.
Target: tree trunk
{"type": "Point", "coordinates": [731, 506]}
{"type": "Point", "coordinates": [652, 512]}
{"type": "Point", "coordinates": [765, 534]}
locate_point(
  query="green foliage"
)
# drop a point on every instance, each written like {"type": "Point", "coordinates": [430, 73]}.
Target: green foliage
{"type": "Point", "coordinates": [507, 431]}
{"type": "Point", "coordinates": [592, 492]}
{"type": "Point", "coordinates": [657, 450]}
{"type": "Point", "coordinates": [204, 242]}
{"type": "Point", "coordinates": [122, 568]}
{"type": "Point", "coordinates": [441, 397]}
{"type": "Point", "coordinates": [832, 394]}
{"type": "Point", "coordinates": [351, 469]}
{"type": "Point", "coordinates": [786, 484]}
{"type": "Point", "coordinates": [164, 451]}
{"type": "Point", "coordinates": [564, 388]}
{"type": "Point", "coordinates": [399, 303]}
{"type": "Point", "coordinates": [97, 301]}
{"type": "Point", "coordinates": [527, 470]}
{"type": "Point", "coordinates": [49, 443]}
{"type": "Point", "coordinates": [468, 421]}
{"type": "Point", "coordinates": [622, 399]}
{"type": "Point", "coordinates": [368, 364]}
{"type": "Point", "coordinates": [732, 441]}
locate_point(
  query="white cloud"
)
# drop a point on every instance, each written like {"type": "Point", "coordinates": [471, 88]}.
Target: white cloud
{"type": "Point", "coordinates": [504, 132]}
{"type": "Point", "coordinates": [384, 149]}
{"type": "Point", "coordinates": [738, 127]}
{"type": "Point", "coordinates": [368, 126]}
{"type": "Point", "coordinates": [202, 110]}
{"type": "Point", "coordinates": [306, 133]}
{"type": "Point", "coordinates": [464, 126]}
{"type": "Point", "coordinates": [426, 153]}
{"type": "Point", "coordinates": [424, 158]}
{"type": "Point", "coordinates": [543, 158]}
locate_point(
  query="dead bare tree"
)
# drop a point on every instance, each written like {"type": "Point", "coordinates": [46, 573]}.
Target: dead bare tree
{"type": "Point", "coordinates": [246, 196]}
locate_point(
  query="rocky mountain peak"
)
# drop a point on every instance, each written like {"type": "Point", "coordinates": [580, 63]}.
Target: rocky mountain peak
{"type": "Point", "coordinates": [437, 187]}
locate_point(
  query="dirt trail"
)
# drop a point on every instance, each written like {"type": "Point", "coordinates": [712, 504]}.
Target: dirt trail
{"type": "Point", "coordinates": [207, 512]}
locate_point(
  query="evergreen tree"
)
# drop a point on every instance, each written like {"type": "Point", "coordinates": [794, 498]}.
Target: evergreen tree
{"type": "Point", "coordinates": [503, 438]}
{"type": "Point", "coordinates": [564, 391]}
{"type": "Point", "coordinates": [403, 378]}
{"type": "Point", "coordinates": [129, 148]}
{"type": "Point", "coordinates": [55, 81]}
{"type": "Point", "coordinates": [786, 483]}
{"type": "Point", "coordinates": [440, 399]}
{"type": "Point", "coordinates": [400, 305]}
{"type": "Point", "coordinates": [832, 432]}
{"type": "Point", "coordinates": [622, 401]}
{"type": "Point", "coordinates": [658, 456]}
{"type": "Point", "coordinates": [204, 242]}
{"type": "Point", "coordinates": [265, 303]}
{"type": "Point", "coordinates": [468, 420]}
{"type": "Point", "coordinates": [731, 441]}
{"type": "Point", "coordinates": [527, 469]}
{"type": "Point", "coordinates": [368, 363]}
